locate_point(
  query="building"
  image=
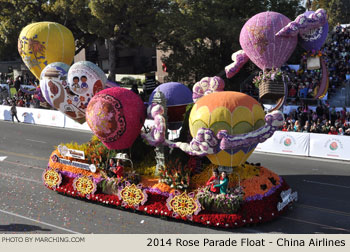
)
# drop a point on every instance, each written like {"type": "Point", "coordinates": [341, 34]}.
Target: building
{"type": "Point", "coordinates": [138, 60]}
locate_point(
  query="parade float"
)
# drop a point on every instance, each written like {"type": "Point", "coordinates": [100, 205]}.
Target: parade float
{"type": "Point", "coordinates": [200, 177]}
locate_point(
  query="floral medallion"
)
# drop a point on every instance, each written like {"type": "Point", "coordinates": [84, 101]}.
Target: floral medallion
{"type": "Point", "coordinates": [105, 116]}
{"type": "Point", "coordinates": [132, 195]}
{"type": "Point", "coordinates": [52, 178]}
{"type": "Point", "coordinates": [84, 185]}
{"type": "Point", "coordinates": [183, 204]}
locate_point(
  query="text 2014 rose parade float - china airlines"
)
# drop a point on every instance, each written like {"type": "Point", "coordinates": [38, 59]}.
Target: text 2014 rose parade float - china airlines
{"type": "Point", "coordinates": [202, 176]}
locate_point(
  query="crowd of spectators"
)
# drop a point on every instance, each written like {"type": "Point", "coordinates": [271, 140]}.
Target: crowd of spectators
{"type": "Point", "coordinates": [22, 98]}
{"type": "Point", "coordinates": [323, 119]}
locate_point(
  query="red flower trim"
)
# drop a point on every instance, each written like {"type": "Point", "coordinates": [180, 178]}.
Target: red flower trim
{"type": "Point", "coordinates": [251, 212]}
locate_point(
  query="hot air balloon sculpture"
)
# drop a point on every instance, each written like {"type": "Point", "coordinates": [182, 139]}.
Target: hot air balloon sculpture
{"type": "Point", "coordinates": [116, 116]}
{"type": "Point", "coordinates": [266, 50]}
{"type": "Point", "coordinates": [178, 96]}
{"type": "Point", "coordinates": [312, 28]}
{"type": "Point", "coordinates": [69, 89]}
{"type": "Point", "coordinates": [42, 43]}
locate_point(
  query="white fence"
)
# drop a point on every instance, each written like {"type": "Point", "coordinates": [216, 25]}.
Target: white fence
{"type": "Point", "coordinates": [291, 143]}
{"type": "Point", "coordinates": [308, 145]}
{"type": "Point", "coordinates": [41, 117]}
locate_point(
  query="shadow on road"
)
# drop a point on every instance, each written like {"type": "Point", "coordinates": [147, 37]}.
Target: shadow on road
{"type": "Point", "coordinates": [21, 228]}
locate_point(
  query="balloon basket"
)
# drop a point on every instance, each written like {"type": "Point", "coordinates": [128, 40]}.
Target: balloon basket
{"type": "Point", "coordinates": [313, 63]}
{"type": "Point", "coordinates": [265, 198]}
{"type": "Point", "coordinates": [271, 90]}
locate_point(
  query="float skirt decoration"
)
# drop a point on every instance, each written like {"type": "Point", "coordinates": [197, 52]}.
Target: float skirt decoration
{"type": "Point", "coordinates": [132, 195]}
{"type": "Point", "coordinates": [52, 178]}
{"type": "Point", "coordinates": [84, 185]}
{"type": "Point", "coordinates": [183, 204]}
{"type": "Point", "coordinates": [260, 207]}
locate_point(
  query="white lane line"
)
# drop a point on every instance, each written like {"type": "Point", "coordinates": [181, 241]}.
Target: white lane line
{"type": "Point", "coordinates": [29, 166]}
{"type": "Point", "coordinates": [2, 158]}
{"type": "Point", "coordinates": [37, 141]}
{"type": "Point", "coordinates": [21, 178]}
{"type": "Point", "coordinates": [41, 222]}
{"type": "Point", "coordinates": [321, 183]}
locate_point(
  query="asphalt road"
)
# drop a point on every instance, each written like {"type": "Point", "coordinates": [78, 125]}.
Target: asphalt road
{"type": "Point", "coordinates": [26, 206]}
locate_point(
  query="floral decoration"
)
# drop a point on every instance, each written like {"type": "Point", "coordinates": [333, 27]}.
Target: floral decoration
{"type": "Point", "coordinates": [84, 185]}
{"type": "Point", "coordinates": [222, 203]}
{"type": "Point", "coordinates": [252, 211]}
{"type": "Point", "coordinates": [132, 195]}
{"type": "Point", "coordinates": [312, 53]}
{"type": "Point", "coordinates": [274, 74]}
{"type": "Point", "coordinates": [52, 178]}
{"type": "Point", "coordinates": [176, 175]}
{"type": "Point", "coordinates": [183, 204]}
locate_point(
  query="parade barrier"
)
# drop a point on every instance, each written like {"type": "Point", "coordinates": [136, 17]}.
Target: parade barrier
{"type": "Point", "coordinates": [287, 143]}
{"type": "Point", "coordinates": [307, 144]}
{"type": "Point", "coordinates": [40, 117]}
{"type": "Point", "coordinates": [329, 146]}
{"type": "Point", "coordinates": [291, 143]}
{"type": "Point", "coordinates": [71, 124]}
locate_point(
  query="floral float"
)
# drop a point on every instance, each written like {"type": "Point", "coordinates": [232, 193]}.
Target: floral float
{"type": "Point", "coordinates": [219, 131]}
{"type": "Point", "coordinates": [178, 190]}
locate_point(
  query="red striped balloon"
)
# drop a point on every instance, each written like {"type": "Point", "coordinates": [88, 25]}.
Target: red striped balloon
{"type": "Point", "coordinates": [259, 42]}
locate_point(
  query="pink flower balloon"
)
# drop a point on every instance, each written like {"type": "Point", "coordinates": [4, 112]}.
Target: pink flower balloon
{"type": "Point", "coordinates": [259, 42]}
{"type": "Point", "coordinates": [116, 116]}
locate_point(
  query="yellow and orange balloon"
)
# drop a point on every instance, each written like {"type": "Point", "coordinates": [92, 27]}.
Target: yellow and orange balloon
{"type": "Point", "coordinates": [235, 112]}
{"type": "Point", "coordinates": [42, 43]}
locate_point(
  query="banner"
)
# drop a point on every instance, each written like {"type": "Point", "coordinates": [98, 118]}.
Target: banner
{"type": "Point", "coordinates": [34, 116]}
{"type": "Point", "coordinates": [330, 146]}
{"type": "Point", "coordinates": [5, 113]}
{"type": "Point", "coordinates": [286, 143]}
{"type": "Point", "coordinates": [41, 116]}
{"type": "Point", "coordinates": [71, 124]}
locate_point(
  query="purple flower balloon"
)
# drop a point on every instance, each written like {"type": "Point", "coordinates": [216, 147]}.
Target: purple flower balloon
{"type": "Point", "coordinates": [313, 39]}
{"type": "Point", "coordinates": [259, 42]}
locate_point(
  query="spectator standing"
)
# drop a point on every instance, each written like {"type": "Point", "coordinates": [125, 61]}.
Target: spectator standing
{"type": "Point", "coordinates": [14, 111]}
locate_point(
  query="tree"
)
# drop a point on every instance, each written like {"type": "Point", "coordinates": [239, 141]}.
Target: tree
{"type": "Point", "coordinates": [76, 15]}
{"type": "Point", "coordinates": [201, 35]}
{"type": "Point", "coordinates": [125, 23]}
{"type": "Point", "coordinates": [15, 15]}
{"type": "Point", "coordinates": [338, 10]}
